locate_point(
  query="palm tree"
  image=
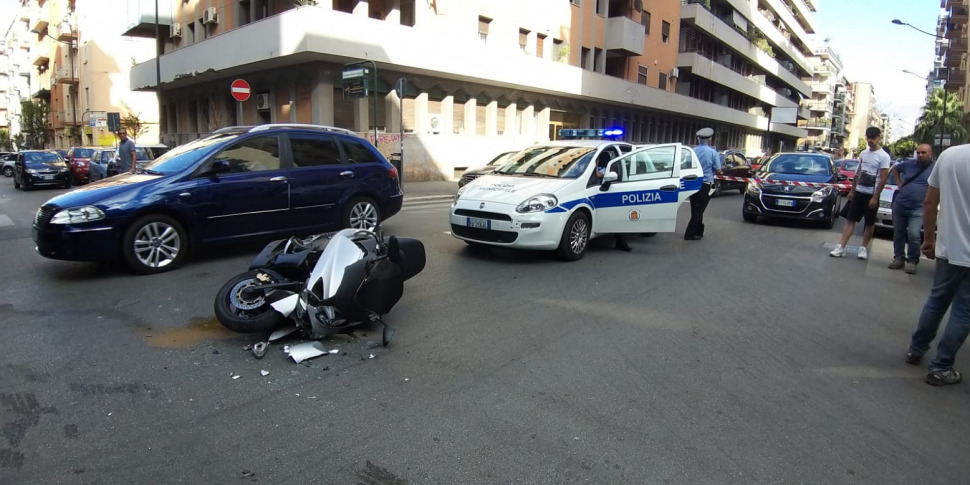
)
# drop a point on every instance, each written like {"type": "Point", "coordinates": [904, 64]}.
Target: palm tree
{"type": "Point", "coordinates": [955, 123]}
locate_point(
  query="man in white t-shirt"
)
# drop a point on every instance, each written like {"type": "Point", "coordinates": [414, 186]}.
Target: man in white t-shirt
{"type": "Point", "coordinates": [870, 178]}
{"type": "Point", "coordinates": [948, 196]}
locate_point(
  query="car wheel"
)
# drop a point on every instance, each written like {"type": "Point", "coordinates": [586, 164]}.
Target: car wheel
{"type": "Point", "coordinates": [242, 312]}
{"type": "Point", "coordinates": [154, 244]}
{"type": "Point", "coordinates": [575, 237]}
{"type": "Point", "coordinates": [749, 217]}
{"type": "Point", "coordinates": [716, 189]}
{"type": "Point", "coordinates": [362, 213]}
{"type": "Point", "coordinates": [8, 171]}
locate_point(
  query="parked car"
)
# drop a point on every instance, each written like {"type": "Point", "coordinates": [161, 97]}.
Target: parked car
{"type": "Point", "coordinates": [473, 173]}
{"type": "Point", "coordinates": [8, 161]}
{"type": "Point", "coordinates": [100, 160]}
{"type": "Point", "coordinates": [240, 183]}
{"type": "Point", "coordinates": [773, 200]}
{"type": "Point", "coordinates": [734, 164]}
{"type": "Point", "coordinates": [34, 168]}
{"type": "Point", "coordinates": [78, 158]}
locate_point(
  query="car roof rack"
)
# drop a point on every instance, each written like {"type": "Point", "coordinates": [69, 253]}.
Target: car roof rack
{"type": "Point", "coordinates": [303, 126]}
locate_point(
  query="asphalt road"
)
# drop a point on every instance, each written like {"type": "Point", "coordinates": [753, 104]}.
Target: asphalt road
{"type": "Point", "coordinates": [747, 357]}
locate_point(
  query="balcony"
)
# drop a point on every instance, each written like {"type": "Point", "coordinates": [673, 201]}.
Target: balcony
{"type": "Point", "coordinates": [818, 105]}
{"type": "Point", "coordinates": [624, 36]}
{"type": "Point", "coordinates": [958, 46]}
{"type": "Point", "coordinates": [825, 88]}
{"type": "Point", "coordinates": [39, 17]}
{"type": "Point", "coordinates": [64, 33]}
{"type": "Point", "coordinates": [958, 77]}
{"type": "Point", "coordinates": [66, 118]}
{"type": "Point", "coordinates": [952, 61]}
{"type": "Point", "coordinates": [140, 17]}
{"type": "Point", "coordinates": [818, 123]}
{"type": "Point", "coordinates": [958, 14]}
{"type": "Point", "coordinates": [41, 58]}
{"type": "Point", "coordinates": [65, 75]}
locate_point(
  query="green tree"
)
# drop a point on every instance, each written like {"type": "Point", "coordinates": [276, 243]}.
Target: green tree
{"type": "Point", "coordinates": [6, 144]}
{"type": "Point", "coordinates": [861, 146]}
{"type": "Point", "coordinates": [955, 124]}
{"type": "Point", "coordinates": [35, 123]}
{"type": "Point", "coordinates": [903, 147]}
{"type": "Point", "coordinates": [134, 125]}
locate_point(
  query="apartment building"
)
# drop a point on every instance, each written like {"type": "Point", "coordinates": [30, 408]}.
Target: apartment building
{"type": "Point", "coordinates": [951, 51]}
{"type": "Point", "coordinates": [71, 55]}
{"type": "Point", "coordinates": [485, 76]}
{"type": "Point", "coordinates": [828, 120]}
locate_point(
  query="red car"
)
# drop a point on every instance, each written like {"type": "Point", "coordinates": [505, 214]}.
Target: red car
{"type": "Point", "coordinates": [848, 168]}
{"type": "Point", "coordinates": [79, 159]}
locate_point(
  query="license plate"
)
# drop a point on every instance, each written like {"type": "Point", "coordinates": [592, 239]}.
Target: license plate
{"type": "Point", "coordinates": [478, 223]}
{"type": "Point", "coordinates": [786, 202]}
{"type": "Point", "coordinates": [47, 177]}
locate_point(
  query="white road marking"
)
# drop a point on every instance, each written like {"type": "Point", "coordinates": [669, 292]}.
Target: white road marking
{"type": "Point", "coordinates": [5, 220]}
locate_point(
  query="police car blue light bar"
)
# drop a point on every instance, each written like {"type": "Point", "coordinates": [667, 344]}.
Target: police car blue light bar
{"type": "Point", "coordinates": [590, 133]}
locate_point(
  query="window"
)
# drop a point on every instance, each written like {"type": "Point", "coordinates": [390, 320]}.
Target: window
{"type": "Point", "coordinates": [523, 40]}
{"type": "Point", "coordinates": [483, 27]}
{"type": "Point", "coordinates": [540, 45]}
{"type": "Point", "coordinates": [665, 32]}
{"type": "Point", "coordinates": [650, 164]}
{"type": "Point", "coordinates": [686, 160]}
{"type": "Point", "coordinates": [642, 74]}
{"type": "Point", "coordinates": [584, 58]}
{"type": "Point", "coordinates": [574, 2]}
{"type": "Point", "coordinates": [663, 81]}
{"type": "Point", "coordinates": [645, 20]}
{"type": "Point", "coordinates": [256, 154]}
{"type": "Point", "coordinates": [314, 150]}
{"type": "Point", "coordinates": [357, 152]}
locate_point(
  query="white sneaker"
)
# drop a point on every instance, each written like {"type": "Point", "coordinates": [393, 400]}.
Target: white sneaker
{"type": "Point", "coordinates": [838, 252]}
{"type": "Point", "coordinates": [863, 253]}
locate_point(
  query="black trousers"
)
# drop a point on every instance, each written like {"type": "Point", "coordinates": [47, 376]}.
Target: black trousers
{"type": "Point", "coordinates": [698, 204]}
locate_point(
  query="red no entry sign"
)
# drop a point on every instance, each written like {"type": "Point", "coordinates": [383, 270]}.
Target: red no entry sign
{"type": "Point", "coordinates": [240, 90]}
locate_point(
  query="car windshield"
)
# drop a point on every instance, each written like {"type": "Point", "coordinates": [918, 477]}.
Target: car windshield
{"type": "Point", "coordinates": [499, 160]}
{"type": "Point", "coordinates": [549, 161]}
{"type": "Point", "coordinates": [183, 156]}
{"type": "Point", "coordinates": [850, 165]}
{"type": "Point", "coordinates": [799, 165]}
{"type": "Point", "coordinates": [82, 152]}
{"type": "Point", "coordinates": [42, 157]}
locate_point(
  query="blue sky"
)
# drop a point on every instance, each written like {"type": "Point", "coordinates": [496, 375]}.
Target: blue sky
{"type": "Point", "coordinates": [861, 31]}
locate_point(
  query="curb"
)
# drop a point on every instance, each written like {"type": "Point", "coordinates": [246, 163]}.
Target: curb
{"type": "Point", "coordinates": [427, 198]}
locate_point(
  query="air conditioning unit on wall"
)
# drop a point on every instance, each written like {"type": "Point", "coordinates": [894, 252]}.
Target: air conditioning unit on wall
{"type": "Point", "coordinates": [262, 101]}
{"type": "Point", "coordinates": [175, 31]}
{"type": "Point", "coordinates": [674, 73]}
{"type": "Point", "coordinates": [210, 16]}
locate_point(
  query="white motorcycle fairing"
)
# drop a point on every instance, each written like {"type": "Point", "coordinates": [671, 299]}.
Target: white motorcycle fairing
{"type": "Point", "coordinates": [329, 270]}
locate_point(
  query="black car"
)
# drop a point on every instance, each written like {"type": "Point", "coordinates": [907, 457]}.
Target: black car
{"type": "Point", "coordinates": [474, 173]}
{"type": "Point", "coordinates": [819, 203]}
{"type": "Point", "coordinates": [733, 164]}
{"type": "Point", "coordinates": [34, 168]}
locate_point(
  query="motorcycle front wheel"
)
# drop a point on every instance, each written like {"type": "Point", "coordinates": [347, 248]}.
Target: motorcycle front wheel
{"type": "Point", "coordinates": [245, 311]}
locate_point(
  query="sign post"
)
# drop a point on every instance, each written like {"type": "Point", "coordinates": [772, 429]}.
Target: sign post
{"type": "Point", "coordinates": [401, 89]}
{"type": "Point", "coordinates": [356, 84]}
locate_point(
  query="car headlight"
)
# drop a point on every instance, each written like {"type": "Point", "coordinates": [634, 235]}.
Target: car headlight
{"type": "Point", "coordinates": [820, 194]}
{"type": "Point", "coordinates": [76, 215]}
{"type": "Point", "coordinates": [885, 204]}
{"type": "Point", "coordinates": [539, 203]}
{"type": "Point", "coordinates": [80, 164]}
{"type": "Point", "coordinates": [30, 170]}
{"type": "Point", "coordinates": [64, 169]}
{"type": "Point", "coordinates": [458, 195]}
{"type": "Point", "coordinates": [753, 189]}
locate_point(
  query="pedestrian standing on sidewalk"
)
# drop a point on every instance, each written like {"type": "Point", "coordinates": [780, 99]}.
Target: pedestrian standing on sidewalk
{"type": "Point", "coordinates": [869, 180]}
{"type": "Point", "coordinates": [911, 179]}
{"type": "Point", "coordinates": [126, 153]}
{"type": "Point", "coordinates": [710, 161]}
{"type": "Point", "coordinates": [948, 197]}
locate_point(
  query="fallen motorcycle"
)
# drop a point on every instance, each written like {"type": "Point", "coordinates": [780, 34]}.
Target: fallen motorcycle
{"type": "Point", "coordinates": [324, 284]}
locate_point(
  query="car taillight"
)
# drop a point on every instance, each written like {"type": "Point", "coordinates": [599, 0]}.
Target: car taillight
{"type": "Point", "coordinates": [392, 172]}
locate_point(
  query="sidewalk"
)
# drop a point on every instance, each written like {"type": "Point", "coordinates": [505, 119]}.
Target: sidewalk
{"type": "Point", "coordinates": [429, 190]}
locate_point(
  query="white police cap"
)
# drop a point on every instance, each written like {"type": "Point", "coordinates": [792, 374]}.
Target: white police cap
{"type": "Point", "coordinates": [705, 133]}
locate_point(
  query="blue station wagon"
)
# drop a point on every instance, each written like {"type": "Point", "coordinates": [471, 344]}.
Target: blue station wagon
{"type": "Point", "coordinates": [240, 183]}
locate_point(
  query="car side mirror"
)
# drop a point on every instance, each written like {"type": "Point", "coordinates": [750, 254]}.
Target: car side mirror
{"type": "Point", "coordinates": [608, 179]}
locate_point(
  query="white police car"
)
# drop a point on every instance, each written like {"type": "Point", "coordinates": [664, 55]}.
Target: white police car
{"type": "Point", "coordinates": [550, 197]}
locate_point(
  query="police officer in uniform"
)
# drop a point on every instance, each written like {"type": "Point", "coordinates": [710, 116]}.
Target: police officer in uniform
{"type": "Point", "coordinates": [710, 161]}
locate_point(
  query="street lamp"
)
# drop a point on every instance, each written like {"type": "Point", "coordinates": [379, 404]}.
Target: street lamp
{"type": "Point", "coordinates": [71, 45]}
{"type": "Point", "coordinates": [942, 128]}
